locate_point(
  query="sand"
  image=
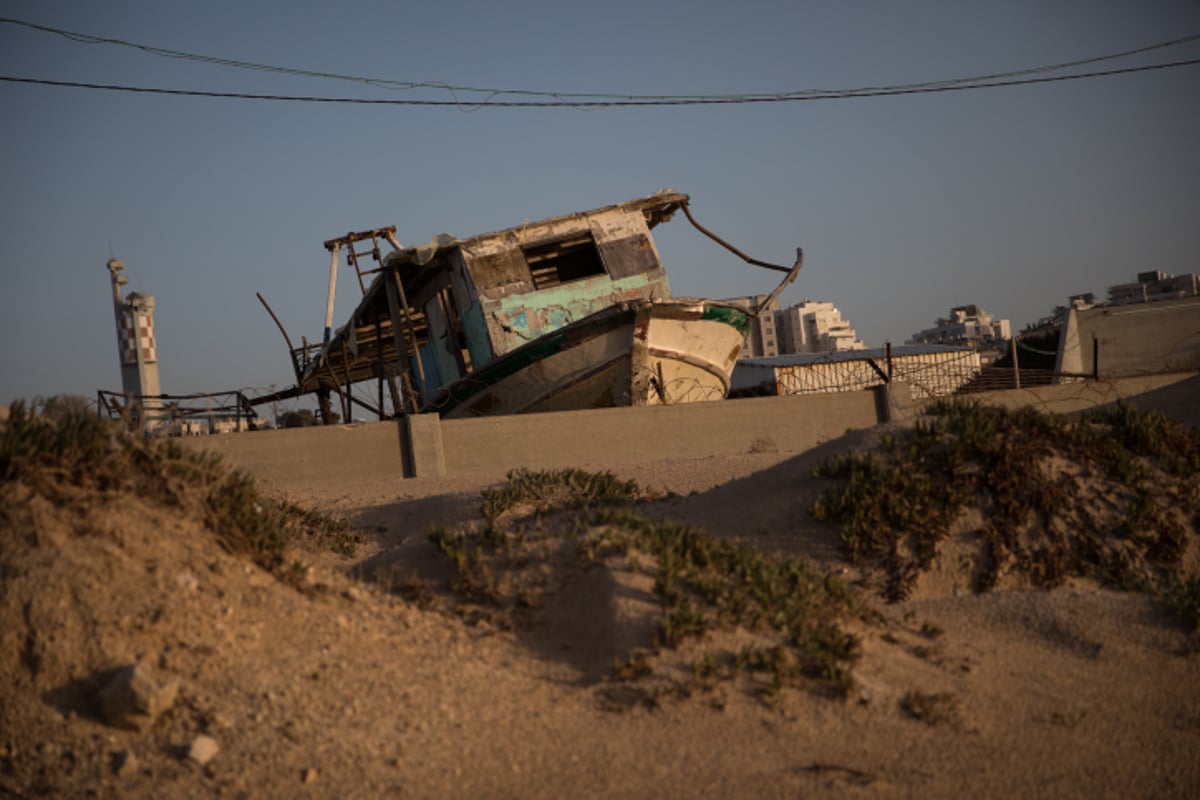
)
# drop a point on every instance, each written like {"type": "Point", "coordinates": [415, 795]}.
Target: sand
{"type": "Point", "coordinates": [351, 689]}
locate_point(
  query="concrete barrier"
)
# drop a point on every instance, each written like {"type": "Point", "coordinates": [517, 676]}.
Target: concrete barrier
{"type": "Point", "coordinates": [1134, 339]}
{"type": "Point", "coordinates": [633, 435]}
{"type": "Point", "coordinates": [1067, 398]}
{"type": "Point", "coordinates": [297, 458]}
{"type": "Point", "coordinates": [427, 446]}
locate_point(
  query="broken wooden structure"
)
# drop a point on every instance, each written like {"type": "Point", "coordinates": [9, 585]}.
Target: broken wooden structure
{"type": "Point", "coordinates": [436, 315]}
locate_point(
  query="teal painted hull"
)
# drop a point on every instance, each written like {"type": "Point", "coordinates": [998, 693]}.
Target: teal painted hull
{"type": "Point", "coordinates": [659, 352]}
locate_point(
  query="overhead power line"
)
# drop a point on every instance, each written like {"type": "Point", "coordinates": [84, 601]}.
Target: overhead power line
{"type": "Point", "coordinates": [585, 99]}
{"type": "Point", "coordinates": [620, 102]}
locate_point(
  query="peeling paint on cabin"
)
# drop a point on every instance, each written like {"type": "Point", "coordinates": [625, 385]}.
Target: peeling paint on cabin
{"type": "Point", "coordinates": [516, 319]}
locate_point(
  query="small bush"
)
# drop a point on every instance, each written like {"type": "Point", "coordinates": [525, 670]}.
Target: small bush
{"type": "Point", "coordinates": [73, 449]}
{"type": "Point", "coordinates": [895, 506]}
{"type": "Point", "coordinates": [568, 488]}
{"type": "Point", "coordinates": [1181, 593]}
{"type": "Point", "coordinates": [703, 585]}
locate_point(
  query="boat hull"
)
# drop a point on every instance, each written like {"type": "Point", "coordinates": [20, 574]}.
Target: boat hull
{"type": "Point", "coordinates": [658, 352]}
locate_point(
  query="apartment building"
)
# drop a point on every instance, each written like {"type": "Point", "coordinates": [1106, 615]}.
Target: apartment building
{"type": "Point", "coordinates": [761, 339]}
{"type": "Point", "coordinates": [814, 327]}
{"type": "Point", "coordinates": [1152, 286]}
{"type": "Point", "coordinates": [969, 325]}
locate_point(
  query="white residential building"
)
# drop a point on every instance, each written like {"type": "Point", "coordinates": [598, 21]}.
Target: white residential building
{"type": "Point", "coordinates": [761, 339]}
{"type": "Point", "coordinates": [1151, 286]}
{"type": "Point", "coordinates": [814, 327]}
{"type": "Point", "coordinates": [969, 325]}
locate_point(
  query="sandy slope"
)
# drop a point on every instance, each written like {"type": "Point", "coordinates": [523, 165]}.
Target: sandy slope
{"type": "Point", "coordinates": [346, 689]}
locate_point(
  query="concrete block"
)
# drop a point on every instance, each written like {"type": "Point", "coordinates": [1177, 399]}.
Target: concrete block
{"type": "Point", "coordinates": [423, 456]}
{"type": "Point", "coordinates": [894, 402]}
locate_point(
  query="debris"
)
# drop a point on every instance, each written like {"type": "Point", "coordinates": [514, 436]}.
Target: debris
{"type": "Point", "coordinates": [133, 699]}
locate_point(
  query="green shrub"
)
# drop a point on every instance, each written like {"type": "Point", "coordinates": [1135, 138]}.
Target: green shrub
{"type": "Point", "coordinates": [74, 449]}
{"type": "Point", "coordinates": [894, 507]}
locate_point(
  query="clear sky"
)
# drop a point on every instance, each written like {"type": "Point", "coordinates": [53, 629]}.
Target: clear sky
{"type": "Point", "coordinates": [1012, 198]}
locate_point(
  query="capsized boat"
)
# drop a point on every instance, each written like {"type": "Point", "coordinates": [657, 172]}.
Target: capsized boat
{"type": "Point", "coordinates": [645, 352]}
{"type": "Point", "coordinates": [566, 313]}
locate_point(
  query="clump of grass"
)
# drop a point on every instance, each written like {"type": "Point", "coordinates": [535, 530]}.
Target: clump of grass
{"type": "Point", "coordinates": [70, 450]}
{"type": "Point", "coordinates": [473, 576]}
{"type": "Point", "coordinates": [1152, 435]}
{"type": "Point", "coordinates": [704, 585]}
{"type": "Point", "coordinates": [73, 446]}
{"type": "Point", "coordinates": [895, 506]}
{"type": "Point", "coordinates": [938, 708]}
{"type": "Point", "coordinates": [319, 530]}
{"type": "Point", "coordinates": [568, 488]}
{"type": "Point", "coordinates": [1181, 593]}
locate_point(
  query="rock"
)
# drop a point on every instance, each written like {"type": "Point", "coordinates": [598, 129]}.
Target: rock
{"type": "Point", "coordinates": [133, 699]}
{"type": "Point", "coordinates": [202, 749]}
{"type": "Point", "coordinates": [125, 764]}
{"type": "Point", "coordinates": [310, 775]}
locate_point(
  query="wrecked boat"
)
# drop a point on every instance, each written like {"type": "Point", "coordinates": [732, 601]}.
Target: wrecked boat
{"type": "Point", "coordinates": [566, 313]}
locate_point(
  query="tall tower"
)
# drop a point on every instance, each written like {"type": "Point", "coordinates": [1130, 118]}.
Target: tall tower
{"type": "Point", "coordinates": [135, 345]}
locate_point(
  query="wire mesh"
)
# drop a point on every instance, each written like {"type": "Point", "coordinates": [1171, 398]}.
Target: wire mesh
{"type": "Point", "coordinates": [930, 375]}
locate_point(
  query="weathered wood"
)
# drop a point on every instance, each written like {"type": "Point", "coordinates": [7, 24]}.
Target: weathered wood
{"type": "Point", "coordinates": [398, 308]}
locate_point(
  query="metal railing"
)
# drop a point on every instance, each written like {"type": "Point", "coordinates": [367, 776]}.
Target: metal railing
{"type": "Point", "coordinates": [170, 414]}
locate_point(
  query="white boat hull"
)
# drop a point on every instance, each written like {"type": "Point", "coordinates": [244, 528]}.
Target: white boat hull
{"type": "Point", "coordinates": [659, 352]}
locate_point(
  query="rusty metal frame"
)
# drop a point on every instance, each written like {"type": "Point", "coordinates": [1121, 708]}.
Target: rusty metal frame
{"type": "Point", "coordinates": [352, 255]}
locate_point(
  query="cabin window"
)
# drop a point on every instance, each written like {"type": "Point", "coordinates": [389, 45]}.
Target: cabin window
{"type": "Point", "coordinates": [563, 261]}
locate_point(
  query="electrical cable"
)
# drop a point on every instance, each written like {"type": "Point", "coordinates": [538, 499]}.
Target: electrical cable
{"type": "Point", "coordinates": [715, 100]}
{"type": "Point", "coordinates": [586, 99]}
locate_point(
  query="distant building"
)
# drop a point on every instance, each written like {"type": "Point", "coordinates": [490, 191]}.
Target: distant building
{"type": "Point", "coordinates": [760, 339]}
{"type": "Point", "coordinates": [808, 327]}
{"type": "Point", "coordinates": [1153, 286]}
{"type": "Point", "coordinates": [966, 325]}
{"type": "Point", "coordinates": [815, 327]}
{"type": "Point", "coordinates": [223, 425]}
{"type": "Point", "coordinates": [182, 427]}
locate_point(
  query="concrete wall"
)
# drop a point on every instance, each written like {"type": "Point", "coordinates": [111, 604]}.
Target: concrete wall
{"type": "Point", "coordinates": [298, 458]}
{"type": "Point", "coordinates": [426, 446]}
{"type": "Point", "coordinates": [1135, 339]}
{"type": "Point", "coordinates": [695, 430]}
{"type": "Point", "coordinates": [1067, 398]}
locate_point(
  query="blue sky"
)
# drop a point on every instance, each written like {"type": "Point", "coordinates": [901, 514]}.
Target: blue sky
{"type": "Point", "coordinates": [1012, 198]}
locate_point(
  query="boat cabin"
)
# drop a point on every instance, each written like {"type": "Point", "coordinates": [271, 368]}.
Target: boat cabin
{"type": "Point", "coordinates": [435, 313]}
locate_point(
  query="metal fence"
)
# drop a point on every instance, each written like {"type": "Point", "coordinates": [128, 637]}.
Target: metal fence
{"type": "Point", "coordinates": [931, 375]}
{"type": "Point", "coordinates": [180, 414]}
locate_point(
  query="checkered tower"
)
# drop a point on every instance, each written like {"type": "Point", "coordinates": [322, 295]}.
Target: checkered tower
{"type": "Point", "coordinates": [135, 343]}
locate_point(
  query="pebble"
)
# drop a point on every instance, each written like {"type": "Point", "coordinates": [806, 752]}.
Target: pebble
{"type": "Point", "coordinates": [203, 749]}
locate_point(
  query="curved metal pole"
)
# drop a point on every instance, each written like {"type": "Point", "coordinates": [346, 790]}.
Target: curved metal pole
{"type": "Point", "coordinates": [286, 338]}
{"type": "Point", "coordinates": [730, 247]}
{"type": "Point", "coordinates": [791, 276]}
